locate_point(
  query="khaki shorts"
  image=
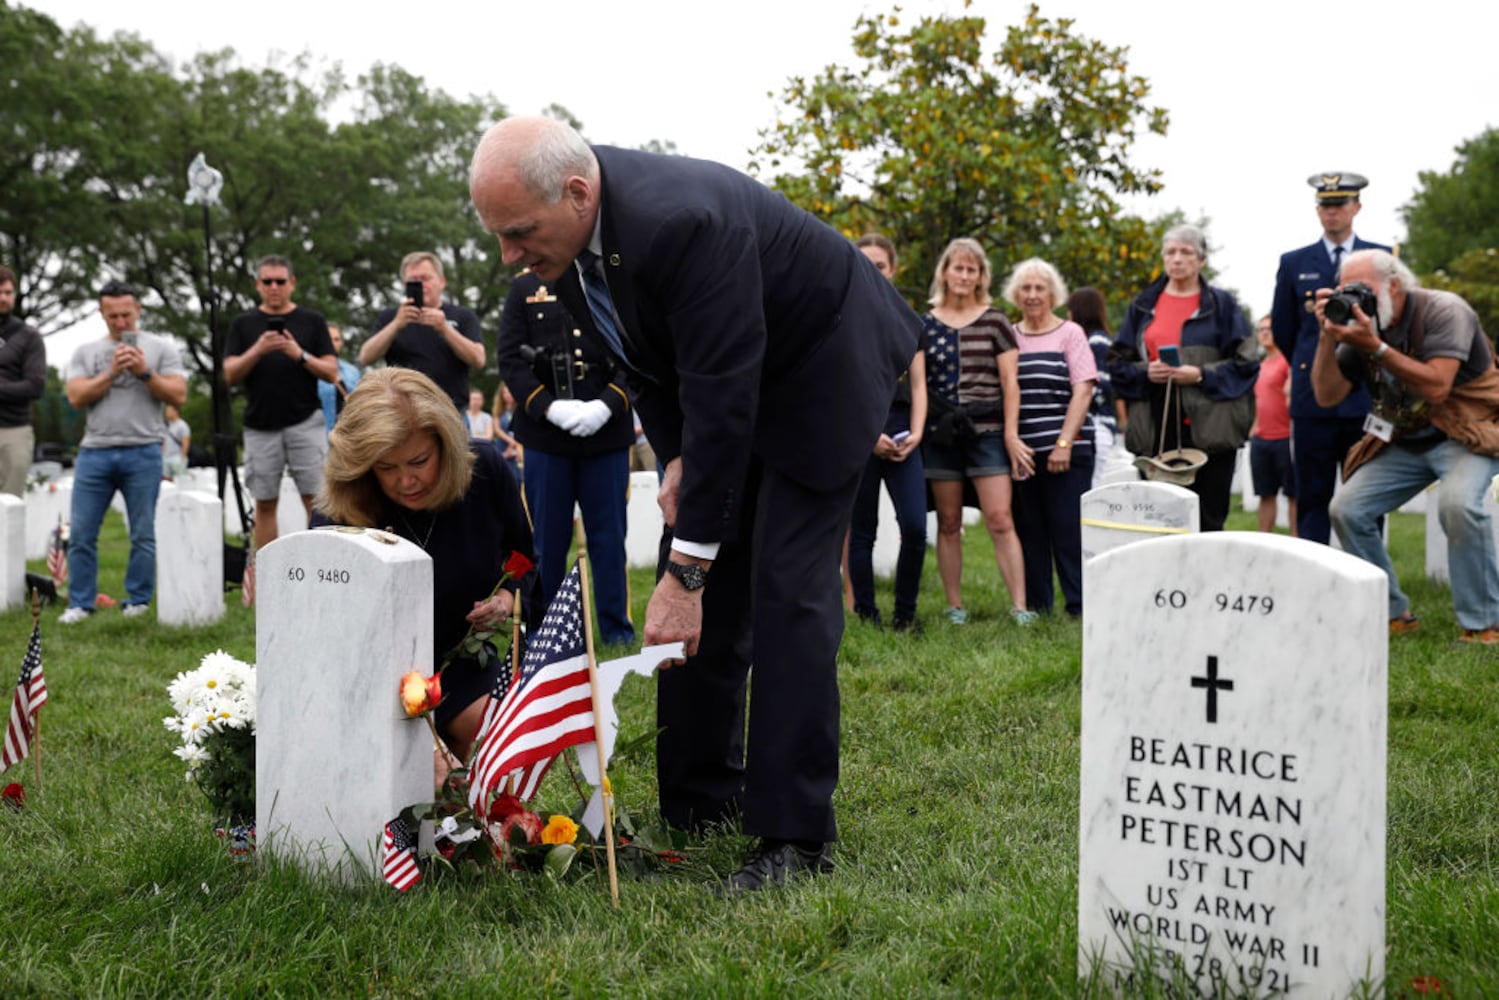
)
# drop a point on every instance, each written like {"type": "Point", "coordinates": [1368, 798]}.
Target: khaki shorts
{"type": "Point", "coordinates": [299, 449]}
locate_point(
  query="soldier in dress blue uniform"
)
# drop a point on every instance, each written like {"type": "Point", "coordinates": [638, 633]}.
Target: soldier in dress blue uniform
{"type": "Point", "coordinates": [1320, 436]}
{"type": "Point", "coordinates": [574, 420]}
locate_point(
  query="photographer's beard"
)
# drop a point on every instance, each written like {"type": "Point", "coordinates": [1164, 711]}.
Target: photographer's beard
{"type": "Point", "coordinates": [1384, 307]}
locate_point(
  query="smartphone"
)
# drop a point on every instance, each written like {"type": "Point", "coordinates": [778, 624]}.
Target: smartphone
{"type": "Point", "coordinates": [1171, 355]}
{"type": "Point", "coordinates": [414, 293]}
{"type": "Point", "coordinates": [130, 338]}
{"type": "Point", "coordinates": [901, 437]}
{"type": "Point", "coordinates": [276, 323]}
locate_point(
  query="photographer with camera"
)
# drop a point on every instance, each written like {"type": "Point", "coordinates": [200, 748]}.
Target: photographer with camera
{"type": "Point", "coordinates": [442, 340]}
{"type": "Point", "coordinates": [122, 381]}
{"type": "Point", "coordinates": [280, 351]}
{"type": "Point", "coordinates": [1320, 436]}
{"type": "Point", "coordinates": [573, 418]}
{"type": "Point", "coordinates": [1430, 371]}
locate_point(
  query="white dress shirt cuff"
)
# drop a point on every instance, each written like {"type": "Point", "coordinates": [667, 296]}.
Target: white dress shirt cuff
{"type": "Point", "coordinates": [697, 550]}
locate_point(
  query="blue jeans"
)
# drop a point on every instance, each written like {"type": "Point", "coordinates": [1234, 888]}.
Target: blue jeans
{"type": "Point", "coordinates": [907, 486]}
{"type": "Point", "coordinates": [1393, 477]}
{"type": "Point", "coordinates": [134, 470]}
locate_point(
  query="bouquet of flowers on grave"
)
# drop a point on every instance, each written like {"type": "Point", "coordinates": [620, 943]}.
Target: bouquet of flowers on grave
{"type": "Point", "coordinates": [513, 836]}
{"type": "Point", "coordinates": [215, 717]}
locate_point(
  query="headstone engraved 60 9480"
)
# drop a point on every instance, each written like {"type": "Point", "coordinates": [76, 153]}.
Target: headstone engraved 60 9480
{"type": "Point", "coordinates": [340, 615]}
{"type": "Point", "coordinates": [1117, 514]}
{"type": "Point", "coordinates": [1232, 835]}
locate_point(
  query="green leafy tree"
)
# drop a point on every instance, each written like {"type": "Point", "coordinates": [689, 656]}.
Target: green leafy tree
{"type": "Point", "coordinates": [1027, 149]}
{"type": "Point", "coordinates": [1475, 276]}
{"type": "Point", "coordinates": [1457, 211]}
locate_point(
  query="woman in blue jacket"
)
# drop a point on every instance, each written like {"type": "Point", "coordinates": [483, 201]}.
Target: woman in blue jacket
{"type": "Point", "coordinates": [1211, 377]}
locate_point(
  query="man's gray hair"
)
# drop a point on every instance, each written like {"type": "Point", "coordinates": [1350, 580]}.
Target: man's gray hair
{"type": "Point", "coordinates": [1386, 265]}
{"type": "Point", "coordinates": [544, 155]}
{"type": "Point", "coordinates": [1188, 234]}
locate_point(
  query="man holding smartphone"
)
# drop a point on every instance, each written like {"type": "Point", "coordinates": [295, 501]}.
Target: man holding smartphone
{"type": "Point", "coordinates": [122, 381]}
{"type": "Point", "coordinates": [280, 351]}
{"type": "Point", "coordinates": [439, 339]}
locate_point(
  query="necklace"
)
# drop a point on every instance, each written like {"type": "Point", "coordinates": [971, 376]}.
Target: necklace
{"type": "Point", "coordinates": [425, 538]}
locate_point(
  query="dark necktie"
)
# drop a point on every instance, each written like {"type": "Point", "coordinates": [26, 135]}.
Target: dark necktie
{"type": "Point", "coordinates": [1337, 261]}
{"type": "Point", "coordinates": [600, 305]}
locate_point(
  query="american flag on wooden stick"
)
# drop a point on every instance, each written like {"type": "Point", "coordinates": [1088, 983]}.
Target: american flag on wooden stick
{"type": "Point", "coordinates": [31, 694]}
{"type": "Point", "coordinates": [57, 555]}
{"type": "Point", "coordinates": [548, 708]}
{"type": "Point", "coordinates": [398, 855]}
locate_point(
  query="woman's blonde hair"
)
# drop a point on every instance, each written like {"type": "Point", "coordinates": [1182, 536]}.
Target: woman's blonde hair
{"type": "Point", "coordinates": [970, 246]}
{"type": "Point", "coordinates": [386, 408]}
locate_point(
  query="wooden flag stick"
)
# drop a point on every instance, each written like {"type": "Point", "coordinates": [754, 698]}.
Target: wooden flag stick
{"type": "Point", "coordinates": [515, 635]}
{"type": "Point", "coordinates": [36, 732]}
{"type": "Point", "coordinates": [606, 795]}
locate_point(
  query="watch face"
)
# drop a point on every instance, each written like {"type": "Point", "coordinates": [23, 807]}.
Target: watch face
{"type": "Point", "coordinates": [691, 576]}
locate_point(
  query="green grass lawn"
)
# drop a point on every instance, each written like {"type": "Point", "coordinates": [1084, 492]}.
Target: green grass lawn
{"type": "Point", "coordinates": [957, 868]}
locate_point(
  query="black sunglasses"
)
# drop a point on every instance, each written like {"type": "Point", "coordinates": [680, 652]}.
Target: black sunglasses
{"type": "Point", "coordinates": [274, 281]}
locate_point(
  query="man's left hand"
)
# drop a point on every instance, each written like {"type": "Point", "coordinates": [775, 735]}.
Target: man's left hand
{"type": "Point", "coordinates": [435, 318]}
{"type": "Point", "coordinates": [1359, 333]}
{"type": "Point", "coordinates": [675, 614]}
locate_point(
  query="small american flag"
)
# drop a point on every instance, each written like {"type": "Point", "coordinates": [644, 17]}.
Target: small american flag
{"type": "Point", "coordinates": [548, 709]}
{"type": "Point", "coordinates": [247, 585]}
{"type": "Point", "coordinates": [31, 694]}
{"type": "Point", "coordinates": [57, 555]}
{"type": "Point", "coordinates": [398, 854]}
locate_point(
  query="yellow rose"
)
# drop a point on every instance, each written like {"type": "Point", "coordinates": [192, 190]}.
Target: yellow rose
{"type": "Point", "coordinates": [559, 830]}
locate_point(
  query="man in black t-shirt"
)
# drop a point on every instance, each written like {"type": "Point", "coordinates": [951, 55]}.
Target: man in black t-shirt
{"type": "Point", "coordinates": [280, 351]}
{"type": "Point", "coordinates": [436, 338]}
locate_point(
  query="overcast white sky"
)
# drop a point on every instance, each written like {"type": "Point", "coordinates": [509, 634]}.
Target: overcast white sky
{"type": "Point", "coordinates": [1261, 94]}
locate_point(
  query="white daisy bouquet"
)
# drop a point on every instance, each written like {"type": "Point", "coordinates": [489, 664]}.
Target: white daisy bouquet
{"type": "Point", "coordinates": [215, 716]}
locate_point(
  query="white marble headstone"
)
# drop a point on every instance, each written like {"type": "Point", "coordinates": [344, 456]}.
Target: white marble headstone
{"type": "Point", "coordinates": [291, 515]}
{"type": "Point", "coordinates": [189, 558]}
{"type": "Point", "coordinates": [12, 552]}
{"type": "Point", "coordinates": [1233, 767]}
{"type": "Point", "coordinates": [45, 503]}
{"type": "Point", "coordinates": [643, 521]}
{"type": "Point", "coordinates": [1436, 538]}
{"type": "Point", "coordinates": [1117, 514]}
{"type": "Point", "coordinates": [340, 617]}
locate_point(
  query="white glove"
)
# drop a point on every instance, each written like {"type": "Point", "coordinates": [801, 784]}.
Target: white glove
{"type": "Point", "coordinates": [593, 414]}
{"type": "Point", "coordinates": [565, 413]}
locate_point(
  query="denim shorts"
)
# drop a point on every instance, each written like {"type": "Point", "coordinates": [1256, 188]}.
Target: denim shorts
{"type": "Point", "coordinates": [975, 458]}
{"type": "Point", "coordinates": [1270, 467]}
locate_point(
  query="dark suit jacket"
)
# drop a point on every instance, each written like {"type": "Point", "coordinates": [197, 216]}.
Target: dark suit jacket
{"type": "Point", "coordinates": [1302, 272]}
{"type": "Point", "coordinates": [756, 328]}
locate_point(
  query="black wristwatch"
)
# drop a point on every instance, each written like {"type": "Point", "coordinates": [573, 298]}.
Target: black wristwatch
{"type": "Point", "coordinates": [690, 575]}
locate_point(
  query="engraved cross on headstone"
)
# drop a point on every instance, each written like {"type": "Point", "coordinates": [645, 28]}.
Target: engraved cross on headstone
{"type": "Point", "coordinates": [1214, 684]}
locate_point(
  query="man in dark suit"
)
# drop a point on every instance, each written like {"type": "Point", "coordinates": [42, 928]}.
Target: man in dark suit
{"type": "Point", "coordinates": [765, 350]}
{"type": "Point", "coordinates": [574, 420]}
{"type": "Point", "coordinates": [1320, 435]}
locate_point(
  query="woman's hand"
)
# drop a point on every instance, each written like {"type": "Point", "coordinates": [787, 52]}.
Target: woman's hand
{"type": "Point", "coordinates": [903, 450]}
{"type": "Point", "coordinates": [1187, 375]}
{"type": "Point", "coordinates": [1022, 457]}
{"type": "Point", "coordinates": [1058, 460]}
{"type": "Point", "coordinates": [885, 448]}
{"type": "Point", "coordinates": [492, 613]}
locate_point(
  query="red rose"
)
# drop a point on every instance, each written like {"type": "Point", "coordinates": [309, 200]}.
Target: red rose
{"type": "Point", "coordinates": [518, 565]}
{"type": "Point", "coordinates": [14, 796]}
{"type": "Point", "coordinates": [505, 806]}
{"type": "Point", "coordinates": [527, 822]}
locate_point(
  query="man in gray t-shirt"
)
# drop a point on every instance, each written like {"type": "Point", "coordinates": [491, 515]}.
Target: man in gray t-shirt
{"type": "Point", "coordinates": [1431, 374]}
{"type": "Point", "coordinates": [123, 380]}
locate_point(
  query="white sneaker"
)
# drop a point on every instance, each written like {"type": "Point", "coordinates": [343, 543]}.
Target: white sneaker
{"type": "Point", "coordinates": [134, 610]}
{"type": "Point", "coordinates": [72, 616]}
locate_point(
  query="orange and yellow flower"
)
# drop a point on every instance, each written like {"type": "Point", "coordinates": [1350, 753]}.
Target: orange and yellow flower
{"type": "Point", "coordinates": [420, 694]}
{"type": "Point", "coordinates": [559, 830]}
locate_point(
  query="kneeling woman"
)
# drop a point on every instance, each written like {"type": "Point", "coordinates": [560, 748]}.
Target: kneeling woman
{"type": "Point", "coordinates": [400, 459]}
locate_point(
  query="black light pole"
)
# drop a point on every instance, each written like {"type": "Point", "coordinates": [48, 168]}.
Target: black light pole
{"type": "Point", "coordinates": [203, 186]}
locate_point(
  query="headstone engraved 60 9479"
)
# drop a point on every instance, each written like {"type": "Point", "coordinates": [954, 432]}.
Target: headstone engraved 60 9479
{"type": "Point", "coordinates": [1232, 835]}
{"type": "Point", "coordinates": [340, 616]}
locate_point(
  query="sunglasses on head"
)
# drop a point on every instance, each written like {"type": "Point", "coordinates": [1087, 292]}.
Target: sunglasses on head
{"type": "Point", "coordinates": [274, 281]}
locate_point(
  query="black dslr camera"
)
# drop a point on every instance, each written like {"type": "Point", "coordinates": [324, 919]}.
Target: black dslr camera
{"type": "Point", "coordinates": [1339, 306]}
